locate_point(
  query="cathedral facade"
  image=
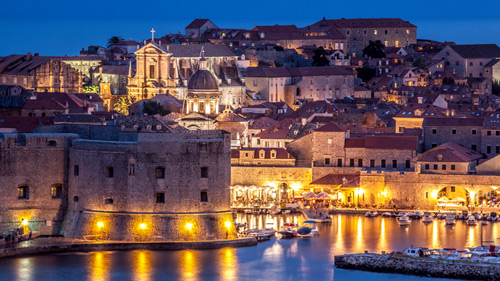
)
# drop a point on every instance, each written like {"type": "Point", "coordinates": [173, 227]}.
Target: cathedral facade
{"type": "Point", "coordinates": [167, 69]}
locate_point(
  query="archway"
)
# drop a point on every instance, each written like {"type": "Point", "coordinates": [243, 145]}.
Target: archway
{"type": "Point", "coordinates": [453, 196]}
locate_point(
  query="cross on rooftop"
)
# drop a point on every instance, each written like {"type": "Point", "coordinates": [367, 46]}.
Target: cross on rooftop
{"type": "Point", "coordinates": [153, 34]}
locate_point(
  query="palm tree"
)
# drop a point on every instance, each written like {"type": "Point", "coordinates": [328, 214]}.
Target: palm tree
{"type": "Point", "coordinates": [122, 105]}
{"type": "Point", "coordinates": [114, 39]}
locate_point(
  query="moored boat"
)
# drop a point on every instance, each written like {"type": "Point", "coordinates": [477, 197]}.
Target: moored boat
{"type": "Point", "coordinates": [450, 219]}
{"type": "Point", "coordinates": [309, 229]}
{"type": "Point", "coordinates": [427, 218]}
{"type": "Point", "coordinates": [403, 220]}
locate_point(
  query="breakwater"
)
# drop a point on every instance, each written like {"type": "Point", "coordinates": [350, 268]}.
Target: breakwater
{"type": "Point", "coordinates": [419, 266]}
{"type": "Point", "coordinates": [31, 248]}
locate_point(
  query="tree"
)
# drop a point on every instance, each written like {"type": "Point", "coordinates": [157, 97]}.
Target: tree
{"type": "Point", "coordinates": [114, 39]}
{"type": "Point", "coordinates": [91, 89]}
{"type": "Point", "coordinates": [366, 73]}
{"type": "Point", "coordinates": [122, 105]}
{"type": "Point", "coordinates": [320, 57]}
{"type": "Point", "coordinates": [374, 50]}
{"type": "Point", "coordinates": [153, 108]}
{"type": "Point", "coordinates": [496, 87]}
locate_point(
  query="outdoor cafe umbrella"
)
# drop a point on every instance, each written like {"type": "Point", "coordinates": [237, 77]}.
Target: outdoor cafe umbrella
{"type": "Point", "coordinates": [459, 199]}
{"type": "Point", "coordinates": [323, 195]}
{"type": "Point", "coordinates": [310, 195]}
{"type": "Point", "coordinates": [443, 199]}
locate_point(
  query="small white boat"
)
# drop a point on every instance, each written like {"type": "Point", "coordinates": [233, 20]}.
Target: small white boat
{"type": "Point", "coordinates": [386, 215]}
{"type": "Point", "coordinates": [450, 219]}
{"type": "Point", "coordinates": [403, 220]}
{"type": "Point", "coordinates": [275, 210]}
{"type": "Point", "coordinates": [371, 214]}
{"type": "Point", "coordinates": [417, 214]}
{"type": "Point", "coordinates": [484, 222]}
{"type": "Point", "coordinates": [427, 218]}
{"type": "Point", "coordinates": [471, 220]}
{"type": "Point", "coordinates": [309, 229]}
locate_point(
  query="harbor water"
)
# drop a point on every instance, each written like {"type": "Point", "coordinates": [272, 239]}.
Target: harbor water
{"type": "Point", "coordinates": [293, 259]}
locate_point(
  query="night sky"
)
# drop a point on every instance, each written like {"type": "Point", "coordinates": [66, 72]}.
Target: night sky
{"type": "Point", "coordinates": [54, 27]}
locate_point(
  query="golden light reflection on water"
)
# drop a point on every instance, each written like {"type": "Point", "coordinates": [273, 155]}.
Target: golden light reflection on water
{"type": "Point", "coordinates": [142, 265]}
{"type": "Point", "coordinates": [99, 266]}
{"type": "Point", "coordinates": [435, 238]}
{"type": "Point", "coordinates": [189, 264]}
{"type": "Point", "coordinates": [359, 237]}
{"type": "Point", "coordinates": [228, 263]}
{"type": "Point", "coordinates": [24, 269]}
{"type": "Point", "coordinates": [383, 239]}
{"type": "Point", "coordinates": [470, 237]}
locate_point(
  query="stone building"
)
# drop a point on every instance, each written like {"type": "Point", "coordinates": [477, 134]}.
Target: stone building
{"type": "Point", "coordinates": [167, 69]}
{"type": "Point", "coordinates": [448, 158]}
{"type": "Point", "coordinates": [475, 60]}
{"type": "Point", "coordinates": [465, 131]}
{"type": "Point", "coordinates": [86, 65]}
{"type": "Point", "coordinates": [392, 32]}
{"type": "Point", "coordinates": [40, 73]}
{"type": "Point", "coordinates": [117, 184]}
{"type": "Point", "coordinates": [270, 157]}
{"type": "Point", "coordinates": [309, 83]}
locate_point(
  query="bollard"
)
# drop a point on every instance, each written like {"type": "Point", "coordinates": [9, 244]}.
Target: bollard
{"type": "Point", "coordinates": [366, 251]}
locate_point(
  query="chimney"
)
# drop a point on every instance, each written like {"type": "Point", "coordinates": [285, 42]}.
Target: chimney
{"type": "Point", "coordinates": [440, 157]}
{"type": "Point", "coordinates": [420, 100]}
{"type": "Point", "coordinates": [28, 56]}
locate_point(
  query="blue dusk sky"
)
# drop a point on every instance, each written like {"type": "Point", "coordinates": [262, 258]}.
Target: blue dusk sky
{"type": "Point", "coordinates": [54, 27]}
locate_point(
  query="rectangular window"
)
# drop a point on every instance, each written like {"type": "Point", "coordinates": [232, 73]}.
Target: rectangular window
{"type": "Point", "coordinates": [204, 196]}
{"type": "Point", "coordinates": [360, 162]}
{"type": "Point", "coordinates": [131, 169]}
{"type": "Point", "coordinates": [23, 192]}
{"type": "Point", "coordinates": [435, 166]}
{"type": "Point", "coordinates": [473, 147]}
{"type": "Point", "coordinates": [488, 149]}
{"type": "Point", "coordinates": [372, 163]}
{"type": "Point", "coordinates": [497, 149]}
{"type": "Point", "coordinates": [433, 145]}
{"type": "Point", "coordinates": [497, 133]}
{"type": "Point", "coordinates": [151, 71]}
{"type": "Point", "coordinates": [56, 191]}
{"type": "Point", "coordinates": [204, 172]}
{"type": "Point", "coordinates": [327, 161]}
{"type": "Point", "coordinates": [76, 170]}
{"type": "Point", "coordinates": [108, 201]}
{"type": "Point", "coordinates": [488, 133]}
{"type": "Point", "coordinates": [408, 164]}
{"type": "Point", "coordinates": [434, 131]}
{"type": "Point", "coordinates": [453, 131]}
{"type": "Point", "coordinates": [160, 197]}
{"type": "Point", "coordinates": [160, 172]}
{"type": "Point", "coordinates": [427, 166]}
{"type": "Point", "coordinates": [394, 164]}
{"type": "Point", "coordinates": [339, 162]}
{"type": "Point", "coordinates": [452, 188]}
{"type": "Point", "coordinates": [351, 162]}
{"type": "Point", "coordinates": [110, 172]}
{"type": "Point", "coordinates": [382, 163]}
{"type": "Point", "coordinates": [443, 167]}
{"type": "Point", "coordinates": [453, 167]}
{"type": "Point", "coordinates": [474, 132]}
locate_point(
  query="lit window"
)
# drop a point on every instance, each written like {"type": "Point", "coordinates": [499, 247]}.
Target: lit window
{"type": "Point", "coordinates": [56, 191]}
{"type": "Point", "coordinates": [375, 32]}
{"type": "Point", "coordinates": [23, 192]}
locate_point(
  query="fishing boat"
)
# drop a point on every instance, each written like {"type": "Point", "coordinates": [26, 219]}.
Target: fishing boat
{"type": "Point", "coordinates": [450, 219]}
{"type": "Point", "coordinates": [471, 221]}
{"type": "Point", "coordinates": [427, 218]}
{"type": "Point", "coordinates": [289, 231]}
{"type": "Point", "coordinates": [416, 215]}
{"type": "Point", "coordinates": [371, 213]}
{"type": "Point", "coordinates": [403, 220]}
{"type": "Point", "coordinates": [386, 214]}
{"type": "Point", "coordinates": [309, 229]}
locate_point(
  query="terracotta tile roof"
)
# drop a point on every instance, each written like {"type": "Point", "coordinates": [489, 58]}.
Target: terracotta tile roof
{"type": "Point", "coordinates": [427, 110]}
{"type": "Point", "coordinates": [452, 122]}
{"type": "Point", "coordinates": [115, 69]}
{"type": "Point", "coordinates": [22, 64]}
{"type": "Point", "coordinates": [297, 71]}
{"type": "Point", "coordinates": [331, 127]}
{"type": "Point", "coordinates": [450, 152]}
{"type": "Point", "coordinates": [197, 23]}
{"type": "Point", "coordinates": [277, 131]}
{"type": "Point", "coordinates": [89, 97]}
{"type": "Point", "coordinates": [24, 124]}
{"type": "Point", "coordinates": [366, 22]}
{"type": "Point", "coordinates": [475, 51]}
{"type": "Point", "coordinates": [281, 153]}
{"type": "Point", "coordinates": [334, 179]}
{"type": "Point", "coordinates": [355, 143]}
{"type": "Point", "coordinates": [391, 142]}
{"type": "Point", "coordinates": [230, 117]}
{"type": "Point", "coordinates": [262, 123]}
{"type": "Point", "coordinates": [56, 101]}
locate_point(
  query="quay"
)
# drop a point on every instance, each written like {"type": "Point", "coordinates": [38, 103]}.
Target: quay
{"type": "Point", "coordinates": [390, 263]}
{"type": "Point", "coordinates": [63, 245]}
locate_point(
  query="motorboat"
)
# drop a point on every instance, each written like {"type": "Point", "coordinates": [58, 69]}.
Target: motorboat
{"type": "Point", "coordinates": [450, 219]}
{"type": "Point", "coordinates": [471, 220]}
{"type": "Point", "coordinates": [386, 214]}
{"type": "Point", "coordinates": [427, 218]}
{"type": "Point", "coordinates": [442, 216]}
{"type": "Point", "coordinates": [483, 222]}
{"type": "Point", "coordinates": [403, 220]}
{"type": "Point", "coordinates": [371, 213]}
{"type": "Point", "coordinates": [275, 210]}
{"type": "Point", "coordinates": [289, 231]}
{"type": "Point", "coordinates": [417, 215]}
{"type": "Point", "coordinates": [309, 229]}
{"type": "Point", "coordinates": [492, 217]}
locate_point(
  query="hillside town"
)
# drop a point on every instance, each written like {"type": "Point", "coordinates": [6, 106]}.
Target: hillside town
{"type": "Point", "coordinates": [361, 110]}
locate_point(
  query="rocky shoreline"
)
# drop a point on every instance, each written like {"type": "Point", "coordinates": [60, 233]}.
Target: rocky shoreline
{"type": "Point", "coordinates": [419, 266]}
{"type": "Point", "coordinates": [81, 246]}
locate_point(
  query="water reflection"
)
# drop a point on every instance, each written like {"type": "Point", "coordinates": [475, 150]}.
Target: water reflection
{"type": "Point", "coordinates": [142, 265]}
{"type": "Point", "coordinates": [24, 269]}
{"type": "Point", "coordinates": [99, 266]}
{"type": "Point", "coordinates": [228, 264]}
{"type": "Point", "coordinates": [189, 264]}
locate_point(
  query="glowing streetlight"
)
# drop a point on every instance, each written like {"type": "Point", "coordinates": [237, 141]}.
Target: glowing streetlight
{"type": "Point", "coordinates": [100, 224]}
{"type": "Point", "coordinates": [24, 222]}
{"type": "Point", "coordinates": [142, 226]}
{"type": "Point", "coordinates": [189, 226]}
{"type": "Point", "coordinates": [228, 224]}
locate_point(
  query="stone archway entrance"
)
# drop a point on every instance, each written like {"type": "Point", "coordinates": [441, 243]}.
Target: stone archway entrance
{"type": "Point", "coordinates": [453, 196]}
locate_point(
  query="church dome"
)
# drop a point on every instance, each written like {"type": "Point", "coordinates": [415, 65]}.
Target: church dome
{"type": "Point", "coordinates": [202, 80]}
